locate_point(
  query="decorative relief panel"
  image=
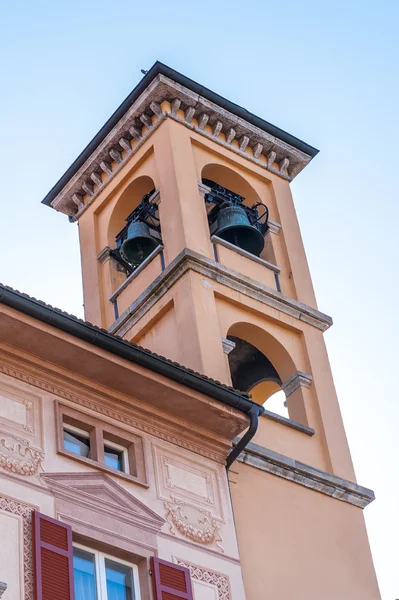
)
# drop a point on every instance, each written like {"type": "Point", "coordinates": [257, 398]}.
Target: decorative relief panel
{"type": "Point", "coordinates": [191, 491]}
{"type": "Point", "coordinates": [18, 456]}
{"type": "Point", "coordinates": [196, 524]}
{"type": "Point", "coordinates": [188, 480]}
{"type": "Point", "coordinates": [20, 410]}
{"type": "Point", "coordinates": [204, 578]}
{"type": "Point", "coordinates": [24, 511]}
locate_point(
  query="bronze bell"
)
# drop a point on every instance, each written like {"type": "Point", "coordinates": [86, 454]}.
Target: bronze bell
{"type": "Point", "coordinates": [234, 227]}
{"type": "Point", "coordinates": [139, 243]}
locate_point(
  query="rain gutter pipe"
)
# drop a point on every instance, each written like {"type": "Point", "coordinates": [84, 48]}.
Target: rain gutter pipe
{"type": "Point", "coordinates": [253, 414]}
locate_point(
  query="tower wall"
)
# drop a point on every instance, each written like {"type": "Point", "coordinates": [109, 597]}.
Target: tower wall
{"type": "Point", "coordinates": [208, 305]}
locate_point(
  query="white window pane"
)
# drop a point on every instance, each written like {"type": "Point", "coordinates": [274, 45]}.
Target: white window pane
{"type": "Point", "coordinates": [119, 581]}
{"type": "Point", "coordinates": [77, 444]}
{"type": "Point", "coordinates": [84, 575]}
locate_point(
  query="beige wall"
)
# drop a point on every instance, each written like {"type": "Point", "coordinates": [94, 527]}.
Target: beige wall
{"type": "Point", "coordinates": [293, 541]}
{"type": "Point", "coordinates": [109, 509]}
{"type": "Point", "coordinates": [189, 320]}
{"type": "Point", "coordinates": [174, 159]}
{"type": "Point", "coordinates": [309, 546]}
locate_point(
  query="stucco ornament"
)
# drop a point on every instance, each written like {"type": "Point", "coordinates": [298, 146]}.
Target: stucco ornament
{"type": "Point", "coordinates": [18, 456]}
{"type": "Point", "coordinates": [221, 582]}
{"type": "Point", "coordinates": [23, 510]}
{"type": "Point", "coordinates": [196, 524]}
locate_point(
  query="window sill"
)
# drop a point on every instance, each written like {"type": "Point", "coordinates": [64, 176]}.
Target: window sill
{"type": "Point", "coordinates": [288, 423]}
{"type": "Point", "coordinates": [104, 468]}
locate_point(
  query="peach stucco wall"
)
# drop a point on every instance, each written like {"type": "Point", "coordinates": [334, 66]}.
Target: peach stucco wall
{"type": "Point", "coordinates": [175, 472]}
{"type": "Point", "coordinates": [309, 546]}
{"type": "Point", "coordinates": [174, 159]}
{"type": "Point", "coordinates": [200, 311]}
{"type": "Point", "coordinates": [293, 540]}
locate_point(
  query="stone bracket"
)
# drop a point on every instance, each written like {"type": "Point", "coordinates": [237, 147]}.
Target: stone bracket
{"type": "Point", "coordinates": [298, 379]}
{"type": "Point", "coordinates": [228, 345]}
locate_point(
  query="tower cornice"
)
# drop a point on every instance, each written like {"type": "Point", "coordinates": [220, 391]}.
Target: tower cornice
{"type": "Point", "coordinates": [190, 260]}
{"type": "Point", "coordinates": [164, 93]}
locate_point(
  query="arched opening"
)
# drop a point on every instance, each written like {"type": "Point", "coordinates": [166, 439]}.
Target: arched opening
{"type": "Point", "coordinates": [231, 180]}
{"type": "Point", "coordinates": [275, 403]}
{"type": "Point", "coordinates": [249, 366]}
{"type": "Point", "coordinates": [259, 364]}
{"type": "Point", "coordinates": [235, 212]}
{"type": "Point", "coordinates": [128, 201]}
{"type": "Point", "coordinates": [251, 371]}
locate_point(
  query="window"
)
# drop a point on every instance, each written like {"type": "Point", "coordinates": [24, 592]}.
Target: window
{"type": "Point", "coordinates": [116, 457]}
{"type": "Point", "coordinates": [77, 440]}
{"type": "Point", "coordinates": [101, 577]}
{"type": "Point", "coordinates": [87, 439]}
{"type": "Point", "coordinates": [65, 569]}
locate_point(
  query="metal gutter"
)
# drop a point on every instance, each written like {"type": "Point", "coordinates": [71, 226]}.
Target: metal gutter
{"type": "Point", "coordinates": [157, 69]}
{"type": "Point", "coordinates": [247, 437]}
{"type": "Point", "coordinates": [124, 349]}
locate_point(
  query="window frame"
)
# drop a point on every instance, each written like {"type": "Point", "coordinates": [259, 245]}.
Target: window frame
{"type": "Point", "coordinates": [71, 429]}
{"type": "Point", "coordinates": [102, 434]}
{"type": "Point", "coordinates": [99, 566]}
{"type": "Point", "coordinates": [123, 450]}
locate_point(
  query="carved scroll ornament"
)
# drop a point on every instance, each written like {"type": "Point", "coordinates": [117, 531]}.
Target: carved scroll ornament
{"type": "Point", "coordinates": [18, 456]}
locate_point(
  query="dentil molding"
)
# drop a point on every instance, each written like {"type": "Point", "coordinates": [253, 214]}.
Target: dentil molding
{"type": "Point", "coordinates": [191, 110]}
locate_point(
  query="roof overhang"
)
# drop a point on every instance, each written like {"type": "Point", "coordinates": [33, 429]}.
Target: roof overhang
{"type": "Point", "coordinates": [204, 111]}
{"type": "Point", "coordinates": [80, 353]}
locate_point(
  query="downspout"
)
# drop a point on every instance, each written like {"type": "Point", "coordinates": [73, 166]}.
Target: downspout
{"type": "Point", "coordinates": [253, 414]}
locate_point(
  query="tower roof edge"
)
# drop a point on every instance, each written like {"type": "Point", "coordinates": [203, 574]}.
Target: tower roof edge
{"type": "Point", "coordinates": [305, 151]}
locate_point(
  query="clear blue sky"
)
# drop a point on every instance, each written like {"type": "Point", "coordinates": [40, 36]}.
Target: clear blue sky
{"type": "Point", "coordinates": [324, 71]}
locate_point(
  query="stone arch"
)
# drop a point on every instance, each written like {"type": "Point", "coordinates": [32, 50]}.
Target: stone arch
{"type": "Point", "coordinates": [249, 366]}
{"type": "Point", "coordinates": [232, 180]}
{"type": "Point", "coordinates": [267, 344]}
{"type": "Point", "coordinates": [260, 364]}
{"type": "Point", "coordinates": [127, 202]}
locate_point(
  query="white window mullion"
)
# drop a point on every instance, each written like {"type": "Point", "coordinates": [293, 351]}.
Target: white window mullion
{"type": "Point", "coordinates": [102, 582]}
{"type": "Point", "coordinates": [126, 461]}
{"type": "Point", "coordinates": [136, 591]}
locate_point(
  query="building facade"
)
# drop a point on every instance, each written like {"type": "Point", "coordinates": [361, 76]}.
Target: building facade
{"type": "Point", "coordinates": [138, 457]}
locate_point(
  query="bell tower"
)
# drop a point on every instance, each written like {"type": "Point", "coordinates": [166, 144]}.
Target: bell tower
{"type": "Point", "coordinates": [191, 247]}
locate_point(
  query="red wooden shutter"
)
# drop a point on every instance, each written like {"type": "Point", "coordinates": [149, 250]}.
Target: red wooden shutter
{"type": "Point", "coordinates": [170, 581]}
{"type": "Point", "coordinates": [52, 558]}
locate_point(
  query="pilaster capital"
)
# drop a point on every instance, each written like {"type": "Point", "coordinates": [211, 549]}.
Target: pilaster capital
{"type": "Point", "coordinates": [298, 379]}
{"type": "Point", "coordinates": [228, 345]}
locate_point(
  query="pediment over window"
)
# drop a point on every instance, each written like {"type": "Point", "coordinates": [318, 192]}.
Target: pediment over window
{"type": "Point", "coordinates": [98, 507]}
